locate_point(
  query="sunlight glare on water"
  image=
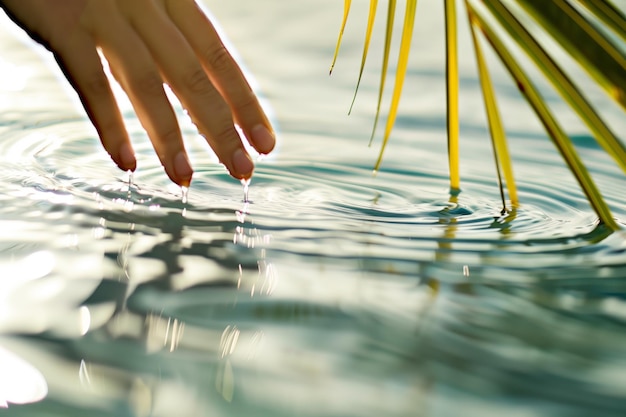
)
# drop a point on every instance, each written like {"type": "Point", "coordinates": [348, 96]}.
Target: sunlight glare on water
{"type": "Point", "coordinates": [325, 291]}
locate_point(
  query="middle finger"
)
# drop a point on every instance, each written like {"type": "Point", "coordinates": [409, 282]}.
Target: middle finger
{"type": "Point", "coordinates": [184, 73]}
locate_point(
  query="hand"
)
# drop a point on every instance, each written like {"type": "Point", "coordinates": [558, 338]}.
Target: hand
{"type": "Point", "coordinates": [147, 43]}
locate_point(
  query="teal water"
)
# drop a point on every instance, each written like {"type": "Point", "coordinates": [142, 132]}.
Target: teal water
{"type": "Point", "coordinates": [331, 292]}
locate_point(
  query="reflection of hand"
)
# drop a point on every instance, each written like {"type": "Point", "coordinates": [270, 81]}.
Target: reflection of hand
{"type": "Point", "coordinates": [147, 42]}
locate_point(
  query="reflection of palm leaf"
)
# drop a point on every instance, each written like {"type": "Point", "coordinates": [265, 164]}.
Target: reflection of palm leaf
{"type": "Point", "coordinates": [586, 29]}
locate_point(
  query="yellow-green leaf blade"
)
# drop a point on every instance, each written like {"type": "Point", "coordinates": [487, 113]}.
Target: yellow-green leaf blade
{"type": "Point", "coordinates": [346, 12]}
{"type": "Point", "coordinates": [608, 14]}
{"type": "Point", "coordinates": [403, 59]}
{"type": "Point", "coordinates": [594, 52]}
{"type": "Point", "coordinates": [562, 83]}
{"type": "Point", "coordinates": [452, 93]}
{"type": "Point", "coordinates": [368, 37]}
{"type": "Point", "coordinates": [556, 133]}
{"type": "Point", "coordinates": [391, 12]}
{"type": "Point", "coordinates": [498, 136]}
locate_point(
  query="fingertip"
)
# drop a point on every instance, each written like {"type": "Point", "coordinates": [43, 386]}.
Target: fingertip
{"type": "Point", "coordinates": [126, 160]}
{"type": "Point", "coordinates": [182, 169]}
{"type": "Point", "coordinates": [242, 165]}
{"type": "Point", "coordinates": [263, 139]}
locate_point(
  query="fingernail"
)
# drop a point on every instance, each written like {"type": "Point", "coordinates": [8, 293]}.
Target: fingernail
{"type": "Point", "coordinates": [263, 139]}
{"type": "Point", "coordinates": [182, 169]}
{"type": "Point", "coordinates": [242, 164]}
{"type": "Point", "coordinates": [127, 157]}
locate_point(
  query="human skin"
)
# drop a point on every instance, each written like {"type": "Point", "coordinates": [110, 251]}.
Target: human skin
{"type": "Point", "coordinates": [148, 43]}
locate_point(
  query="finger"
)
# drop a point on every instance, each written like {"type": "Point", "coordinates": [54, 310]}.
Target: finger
{"type": "Point", "coordinates": [223, 71]}
{"type": "Point", "coordinates": [81, 65]}
{"type": "Point", "coordinates": [185, 75]}
{"type": "Point", "coordinates": [136, 71]}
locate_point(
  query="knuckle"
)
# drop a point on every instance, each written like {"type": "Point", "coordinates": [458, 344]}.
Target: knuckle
{"type": "Point", "coordinates": [97, 85]}
{"type": "Point", "coordinates": [109, 129]}
{"type": "Point", "coordinates": [166, 143]}
{"type": "Point", "coordinates": [170, 137]}
{"type": "Point", "coordinates": [149, 84]}
{"type": "Point", "coordinates": [247, 102]}
{"type": "Point", "coordinates": [216, 122]}
{"type": "Point", "coordinates": [223, 136]}
{"type": "Point", "coordinates": [218, 58]}
{"type": "Point", "coordinates": [197, 81]}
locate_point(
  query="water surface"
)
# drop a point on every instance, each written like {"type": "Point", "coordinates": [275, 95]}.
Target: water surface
{"type": "Point", "coordinates": [332, 292]}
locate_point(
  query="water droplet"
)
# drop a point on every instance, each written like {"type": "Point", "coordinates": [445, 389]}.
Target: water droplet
{"type": "Point", "coordinates": [185, 194]}
{"type": "Point", "coordinates": [241, 214]}
{"type": "Point", "coordinates": [246, 186]}
{"type": "Point", "coordinates": [129, 184]}
{"type": "Point", "coordinates": [466, 271]}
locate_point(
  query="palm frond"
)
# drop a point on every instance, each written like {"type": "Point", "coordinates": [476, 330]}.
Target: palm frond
{"type": "Point", "coordinates": [403, 61]}
{"type": "Point", "coordinates": [595, 52]}
{"type": "Point", "coordinates": [563, 84]}
{"type": "Point", "coordinates": [498, 136]}
{"type": "Point", "coordinates": [452, 92]}
{"type": "Point", "coordinates": [590, 31]}
{"type": "Point", "coordinates": [391, 13]}
{"type": "Point", "coordinates": [555, 131]}
{"type": "Point", "coordinates": [366, 45]}
{"type": "Point", "coordinates": [346, 12]}
{"type": "Point", "coordinates": [610, 16]}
